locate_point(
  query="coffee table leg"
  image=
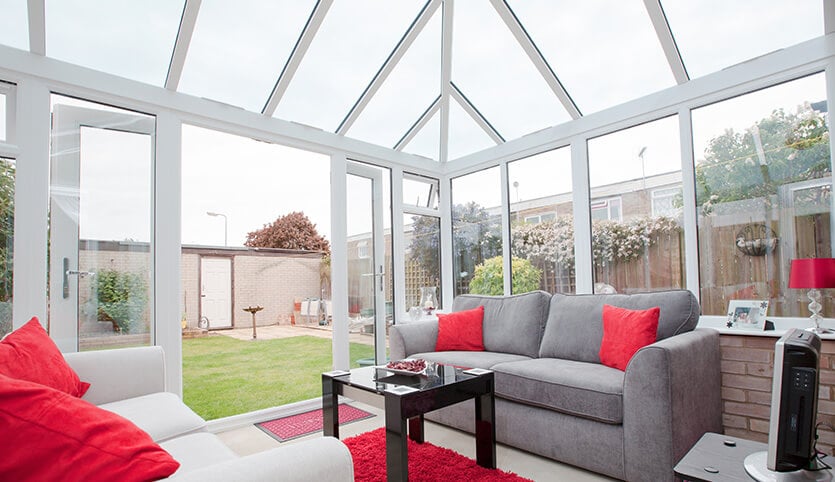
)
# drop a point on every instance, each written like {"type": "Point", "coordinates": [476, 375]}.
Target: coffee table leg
{"type": "Point", "coordinates": [416, 429]}
{"type": "Point", "coordinates": [330, 407]}
{"type": "Point", "coordinates": [485, 430]}
{"type": "Point", "coordinates": [397, 464]}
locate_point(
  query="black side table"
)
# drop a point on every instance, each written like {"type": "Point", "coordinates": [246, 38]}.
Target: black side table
{"type": "Point", "coordinates": [717, 457]}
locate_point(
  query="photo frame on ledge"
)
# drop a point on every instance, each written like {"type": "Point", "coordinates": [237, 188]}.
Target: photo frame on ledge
{"type": "Point", "coordinates": [747, 315]}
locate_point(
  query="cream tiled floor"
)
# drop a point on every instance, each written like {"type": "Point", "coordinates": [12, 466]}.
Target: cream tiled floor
{"type": "Point", "coordinates": [251, 439]}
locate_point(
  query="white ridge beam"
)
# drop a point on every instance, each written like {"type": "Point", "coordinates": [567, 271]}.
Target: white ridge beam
{"type": "Point", "coordinates": [446, 78]}
{"type": "Point", "coordinates": [668, 43]}
{"type": "Point", "coordinates": [477, 116]}
{"type": "Point", "coordinates": [37, 27]}
{"type": "Point", "coordinates": [530, 48]}
{"type": "Point", "coordinates": [418, 125]}
{"type": "Point", "coordinates": [388, 66]}
{"type": "Point", "coordinates": [299, 51]}
{"type": "Point", "coordinates": [181, 45]}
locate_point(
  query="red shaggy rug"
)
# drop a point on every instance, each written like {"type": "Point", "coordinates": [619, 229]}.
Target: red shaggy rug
{"type": "Point", "coordinates": [427, 462]}
{"type": "Point", "coordinates": [299, 425]}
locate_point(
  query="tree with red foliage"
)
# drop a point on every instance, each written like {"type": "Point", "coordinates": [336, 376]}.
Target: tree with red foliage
{"type": "Point", "coordinates": [291, 231]}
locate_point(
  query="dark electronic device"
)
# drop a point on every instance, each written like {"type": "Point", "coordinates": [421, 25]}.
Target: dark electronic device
{"type": "Point", "coordinates": [794, 408]}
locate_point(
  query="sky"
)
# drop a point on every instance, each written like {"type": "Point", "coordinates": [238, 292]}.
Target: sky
{"type": "Point", "coordinates": [238, 49]}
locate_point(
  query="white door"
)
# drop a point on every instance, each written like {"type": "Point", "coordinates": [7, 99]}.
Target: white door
{"type": "Point", "coordinates": [366, 295]}
{"type": "Point", "coordinates": [100, 256]}
{"type": "Point", "coordinates": [216, 291]}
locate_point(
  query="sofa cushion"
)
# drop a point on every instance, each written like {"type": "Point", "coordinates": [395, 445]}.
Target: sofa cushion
{"type": "Point", "coordinates": [512, 324]}
{"type": "Point", "coordinates": [163, 415]}
{"type": "Point", "coordinates": [196, 451]}
{"type": "Point", "coordinates": [461, 330]}
{"type": "Point", "coordinates": [575, 322]}
{"type": "Point", "coordinates": [587, 390]}
{"type": "Point", "coordinates": [625, 332]}
{"type": "Point", "coordinates": [470, 359]}
{"type": "Point", "coordinates": [28, 353]}
{"type": "Point", "coordinates": [51, 435]}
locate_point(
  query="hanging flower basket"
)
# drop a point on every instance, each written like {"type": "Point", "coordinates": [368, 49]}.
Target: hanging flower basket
{"type": "Point", "coordinates": [756, 240]}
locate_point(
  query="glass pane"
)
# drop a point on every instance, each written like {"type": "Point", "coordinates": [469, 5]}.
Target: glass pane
{"type": "Point", "coordinates": [14, 24]}
{"type": "Point", "coordinates": [542, 222]}
{"type": "Point", "coordinates": [420, 191]}
{"type": "Point", "coordinates": [239, 48]}
{"type": "Point", "coordinates": [493, 71]}
{"type": "Point", "coordinates": [3, 114]}
{"type": "Point", "coordinates": [100, 225]}
{"type": "Point", "coordinates": [350, 46]}
{"type": "Point", "coordinates": [763, 191]}
{"type": "Point", "coordinates": [427, 142]}
{"type": "Point", "coordinates": [7, 189]}
{"type": "Point", "coordinates": [715, 34]}
{"type": "Point", "coordinates": [477, 233]}
{"type": "Point", "coordinates": [618, 59]}
{"type": "Point", "coordinates": [465, 136]}
{"type": "Point", "coordinates": [410, 89]}
{"type": "Point", "coordinates": [121, 37]}
{"type": "Point", "coordinates": [634, 248]}
{"type": "Point", "coordinates": [264, 244]}
{"type": "Point", "coordinates": [423, 256]}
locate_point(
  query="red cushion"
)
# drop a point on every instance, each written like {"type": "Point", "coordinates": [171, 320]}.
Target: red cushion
{"type": "Point", "coordinates": [28, 353]}
{"type": "Point", "coordinates": [625, 332]}
{"type": "Point", "coordinates": [461, 330]}
{"type": "Point", "coordinates": [50, 435]}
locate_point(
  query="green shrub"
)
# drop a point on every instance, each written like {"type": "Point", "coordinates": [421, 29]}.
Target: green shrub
{"type": "Point", "coordinates": [121, 299]}
{"type": "Point", "coordinates": [489, 277]}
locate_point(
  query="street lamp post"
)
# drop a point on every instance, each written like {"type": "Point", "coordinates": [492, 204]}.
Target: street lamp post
{"type": "Point", "coordinates": [225, 225]}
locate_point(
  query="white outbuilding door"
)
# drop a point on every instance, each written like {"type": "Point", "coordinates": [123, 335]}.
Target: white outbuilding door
{"type": "Point", "coordinates": [216, 291]}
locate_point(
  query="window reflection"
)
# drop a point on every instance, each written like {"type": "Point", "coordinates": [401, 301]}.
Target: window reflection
{"type": "Point", "coordinates": [541, 222]}
{"type": "Point", "coordinates": [7, 190]}
{"type": "Point", "coordinates": [423, 255]}
{"type": "Point", "coordinates": [764, 181]}
{"type": "Point", "coordinates": [637, 245]}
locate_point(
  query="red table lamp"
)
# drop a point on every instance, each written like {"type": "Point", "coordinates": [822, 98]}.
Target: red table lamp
{"type": "Point", "coordinates": [814, 274]}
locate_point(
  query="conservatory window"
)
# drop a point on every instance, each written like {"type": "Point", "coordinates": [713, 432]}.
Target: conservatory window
{"type": "Point", "coordinates": [763, 194]}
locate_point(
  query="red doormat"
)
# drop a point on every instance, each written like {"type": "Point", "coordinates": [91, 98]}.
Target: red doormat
{"type": "Point", "coordinates": [427, 462]}
{"type": "Point", "coordinates": [299, 425]}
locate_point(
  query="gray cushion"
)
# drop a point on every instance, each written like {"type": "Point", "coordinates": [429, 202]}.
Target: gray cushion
{"type": "Point", "coordinates": [586, 390]}
{"type": "Point", "coordinates": [575, 322]}
{"type": "Point", "coordinates": [512, 324]}
{"type": "Point", "coordinates": [469, 359]}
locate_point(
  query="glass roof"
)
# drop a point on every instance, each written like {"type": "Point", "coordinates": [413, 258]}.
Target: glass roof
{"type": "Point", "coordinates": [753, 28]}
{"type": "Point", "coordinates": [14, 29]}
{"type": "Point", "coordinates": [240, 67]}
{"type": "Point", "coordinates": [516, 66]}
{"type": "Point", "coordinates": [122, 37]}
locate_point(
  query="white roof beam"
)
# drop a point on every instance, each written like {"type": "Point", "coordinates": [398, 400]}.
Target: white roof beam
{"type": "Point", "coordinates": [477, 116]}
{"type": "Point", "coordinates": [418, 125]}
{"type": "Point", "coordinates": [446, 77]}
{"type": "Point", "coordinates": [668, 43]}
{"type": "Point", "coordinates": [299, 51]}
{"type": "Point", "coordinates": [37, 27]}
{"type": "Point", "coordinates": [178, 58]}
{"type": "Point", "coordinates": [388, 66]}
{"type": "Point", "coordinates": [530, 48]}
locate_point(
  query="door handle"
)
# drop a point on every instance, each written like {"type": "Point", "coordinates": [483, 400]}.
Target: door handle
{"type": "Point", "coordinates": [72, 272]}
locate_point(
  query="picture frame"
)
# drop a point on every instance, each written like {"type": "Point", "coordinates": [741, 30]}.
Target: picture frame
{"type": "Point", "coordinates": [747, 315]}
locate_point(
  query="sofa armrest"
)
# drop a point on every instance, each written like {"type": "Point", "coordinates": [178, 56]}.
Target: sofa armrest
{"type": "Point", "coordinates": [671, 397]}
{"type": "Point", "coordinates": [324, 458]}
{"type": "Point", "coordinates": [119, 374]}
{"type": "Point", "coordinates": [410, 338]}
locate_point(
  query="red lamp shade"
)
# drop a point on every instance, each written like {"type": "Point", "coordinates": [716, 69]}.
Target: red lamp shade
{"type": "Point", "coordinates": [812, 273]}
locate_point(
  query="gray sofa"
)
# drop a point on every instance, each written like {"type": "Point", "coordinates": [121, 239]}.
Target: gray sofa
{"type": "Point", "coordinates": [554, 397]}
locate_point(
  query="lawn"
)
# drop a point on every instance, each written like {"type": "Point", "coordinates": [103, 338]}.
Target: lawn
{"type": "Point", "coordinates": [223, 376]}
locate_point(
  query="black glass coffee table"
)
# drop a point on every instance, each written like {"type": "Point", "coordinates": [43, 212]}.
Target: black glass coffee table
{"type": "Point", "coordinates": [407, 398]}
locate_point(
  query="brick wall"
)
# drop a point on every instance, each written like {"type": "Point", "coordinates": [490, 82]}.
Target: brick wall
{"type": "Point", "coordinates": [747, 367]}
